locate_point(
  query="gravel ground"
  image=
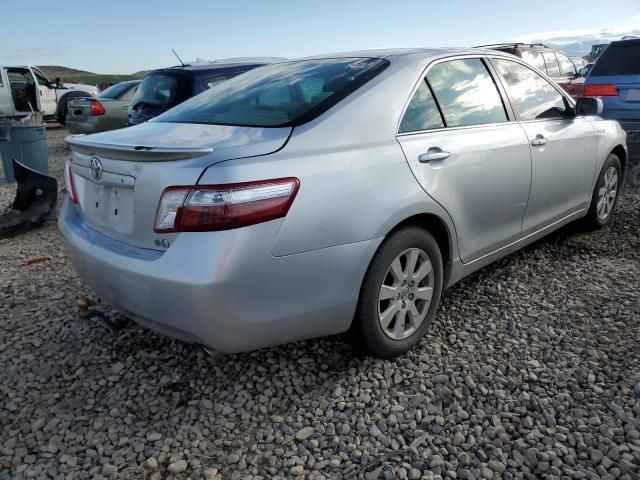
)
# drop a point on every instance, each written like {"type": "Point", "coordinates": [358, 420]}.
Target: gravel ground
{"type": "Point", "coordinates": [531, 370]}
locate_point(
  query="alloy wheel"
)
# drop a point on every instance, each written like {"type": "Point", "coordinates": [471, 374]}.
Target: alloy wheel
{"type": "Point", "coordinates": [405, 294]}
{"type": "Point", "coordinates": [607, 193]}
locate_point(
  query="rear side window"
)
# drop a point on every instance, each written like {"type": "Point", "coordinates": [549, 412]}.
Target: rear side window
{"type": "Point", "coordinates": [567, 68]}
{"type": "Point", "coordinates": [278, 95]}
{"type": "Point", "coordinates": [422, 112]}
{"type": "Point", "coordinates": [466, 93]}
{"type": "Point", "coordinates": [534, 59]}
{"type": "Point", "coordinates": [619, 58]}
{"type": "Point", "coordinates": [551, 62]}
{"type": "Point", "coordinates": [533, 96]}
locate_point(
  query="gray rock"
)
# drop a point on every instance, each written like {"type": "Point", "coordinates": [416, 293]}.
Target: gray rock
{"type": "Point", "coordinates": [178, 466]}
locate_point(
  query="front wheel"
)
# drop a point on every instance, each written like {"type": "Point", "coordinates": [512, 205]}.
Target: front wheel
{"type": "Point", "coordinates": [605, 193]}
{"type": "Point", "coordinates": [399, 295]}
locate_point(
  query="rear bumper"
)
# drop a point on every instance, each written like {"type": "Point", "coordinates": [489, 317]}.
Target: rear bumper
{"type": "Point", "coordinates": [223, 289]}
{"type": "Point", "coordinates": [84, 126]}
{"type": "Point", "coordinates": [633, 140]}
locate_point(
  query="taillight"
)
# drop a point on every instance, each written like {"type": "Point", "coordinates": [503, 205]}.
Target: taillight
{"type": "Point", "coordinates": [70, 183]}
{"type": "Point", "coordinates": [96, 108]}
{"type": "Point", "coordinates": [603, 90]}
{"type": "Point", "coordinates": [223, 207]}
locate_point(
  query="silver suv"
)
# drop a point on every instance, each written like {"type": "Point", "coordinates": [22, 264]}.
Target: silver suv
{"type": "Point", "coordinates": [333, 193]}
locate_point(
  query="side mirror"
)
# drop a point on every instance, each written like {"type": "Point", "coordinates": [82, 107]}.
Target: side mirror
{"type": "Point", "coordinates": [589, 106]}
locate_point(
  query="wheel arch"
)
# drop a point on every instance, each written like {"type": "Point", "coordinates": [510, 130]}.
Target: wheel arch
{"type": "Point", "coordinates": [621, 153]}
{"type": "Point", "coordinates": [437, 227]}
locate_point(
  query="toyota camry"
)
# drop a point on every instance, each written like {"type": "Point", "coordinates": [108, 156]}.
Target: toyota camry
{"type": "Point", "coordinates": [332, 194]}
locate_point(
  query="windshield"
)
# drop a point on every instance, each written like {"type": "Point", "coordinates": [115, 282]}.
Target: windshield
{"type": "Point", "coordinates": [621, 58]}
{"type": "Point", "coordinates": [117, 90]}
{"type": "Point", "coordinates": [285, 94]}
{"type": "Point", "coordinates": [162, 89]}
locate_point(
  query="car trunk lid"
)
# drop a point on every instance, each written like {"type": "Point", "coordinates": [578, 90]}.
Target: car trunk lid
{"type": "Point", "coordinates": [78, 109]}
{"type": "Point", "coordinates": [120, 175]}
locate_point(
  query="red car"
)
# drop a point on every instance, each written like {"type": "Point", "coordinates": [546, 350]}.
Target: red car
{"type": "Point", "coordinates": [554, 63]}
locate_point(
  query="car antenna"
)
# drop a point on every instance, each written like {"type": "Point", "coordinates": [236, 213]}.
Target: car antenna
{"type": "Point", "coordinates": [179, 59]}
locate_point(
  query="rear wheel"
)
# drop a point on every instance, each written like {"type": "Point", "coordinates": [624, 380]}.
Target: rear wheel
{"type": "Point", "coordinates": [399, 295]}
{"type": "Point", "coordinates": [605, 193]}
{"type": "Point", "coordinates": [62, 116]}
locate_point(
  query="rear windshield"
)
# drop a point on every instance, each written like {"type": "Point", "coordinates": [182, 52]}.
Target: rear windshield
{"type": "Point", "coordinates": [163, 89]}
{"type": "Point", "coordinates": [620, 58]}
{"type": "Point", "coordinates": [284, 94]}
{"type": "Point", "coordinates": [117, 90]}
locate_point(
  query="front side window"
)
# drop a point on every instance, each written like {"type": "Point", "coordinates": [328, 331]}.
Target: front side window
{"type": "Point", "coordinates": [278, 95]}
{"type": "Point", "coordinates": [533, 96]}
{"type": "Point", "coordinates": [422, 112]}
{"type": "Point", "coordinates": [551, 62]}
{"type": "Point", "coordinates": [42, 80]}
{"type": "Point", "coordinates": [466, 93]}
{"type": "Point", "coordinates": [567, 68]}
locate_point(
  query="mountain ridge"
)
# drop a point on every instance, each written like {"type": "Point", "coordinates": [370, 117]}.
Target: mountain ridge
{"type": "Point", "coordinates": [68, 74]}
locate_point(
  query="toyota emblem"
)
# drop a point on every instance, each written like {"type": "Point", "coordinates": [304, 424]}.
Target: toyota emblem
{"type": "Point", "coordinates": [96, 168]}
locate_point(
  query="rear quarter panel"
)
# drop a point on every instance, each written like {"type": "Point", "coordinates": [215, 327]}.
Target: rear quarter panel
{"type": "Point", "coordinates": [346, 195]}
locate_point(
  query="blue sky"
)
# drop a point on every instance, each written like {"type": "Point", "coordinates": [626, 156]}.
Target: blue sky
{"type": "Point", "coordinates": [126, 36]}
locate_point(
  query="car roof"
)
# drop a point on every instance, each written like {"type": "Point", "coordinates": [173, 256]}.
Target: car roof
{"type": "Point", "coordinates": [518, 46]}
{"type": "Point", "coordinates": [627, 41]}
{"type": "Point", "coordinates": [391, 53]}
{"type": "Point", "coordinates": [224, 63]}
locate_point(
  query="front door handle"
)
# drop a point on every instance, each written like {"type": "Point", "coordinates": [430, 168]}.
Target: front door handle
{"type": "Point", "coordinates": [539, 141]}
{"type": "Point", "coordinates": [433, 154]}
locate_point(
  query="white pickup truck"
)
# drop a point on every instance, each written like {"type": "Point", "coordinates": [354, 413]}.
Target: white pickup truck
{"type": "Point", "coordinates": [24, 89]}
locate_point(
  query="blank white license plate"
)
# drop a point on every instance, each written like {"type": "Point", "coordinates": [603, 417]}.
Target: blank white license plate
{"type": "Point", "coordinates": [108, 206]}
{"type": "Point", "coordinates": [633, 95]}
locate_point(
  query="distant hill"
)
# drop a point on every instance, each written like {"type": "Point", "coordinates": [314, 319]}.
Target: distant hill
{"type": "Point", "coordinates": [81, 76]}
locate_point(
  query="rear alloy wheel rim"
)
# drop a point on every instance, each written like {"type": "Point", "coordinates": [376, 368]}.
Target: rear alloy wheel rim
{"type": "Point", "coordinates": [607, 193]}
{"type": "Point", "coordinates": [405, 294]}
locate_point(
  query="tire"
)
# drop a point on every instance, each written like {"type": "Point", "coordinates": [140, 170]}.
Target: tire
{"type": "Point", "coordinates": [607, 188]}
{"type": "Point", "coordinates": [369, 334]}
{"type": "Point", "coordinates": [62, 118]}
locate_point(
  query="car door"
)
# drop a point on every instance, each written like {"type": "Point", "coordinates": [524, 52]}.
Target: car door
{"type": "Point", "coordinates": [457, 136]}
{"type": "Point", "coordinates": [563, 146]}
{"type": "Point", "coordinates": [46, 94]}
{"type": "Point", "coordinates": [6, 102]}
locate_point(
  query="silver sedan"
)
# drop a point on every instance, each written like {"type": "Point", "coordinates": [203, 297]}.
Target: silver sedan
{"type": "Point", "coordinates": [332, 194]}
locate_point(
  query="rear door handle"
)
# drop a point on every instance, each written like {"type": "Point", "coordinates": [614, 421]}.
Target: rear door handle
{"type": "Point", "coordinates": [433, 154]}
{"type": "Point", "coordinates": [539, 141]}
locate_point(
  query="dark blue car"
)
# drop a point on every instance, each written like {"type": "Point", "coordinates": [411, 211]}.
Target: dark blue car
{"type": "Point", "coordinates": [615, 78]}
{"type": "Point", "coordinates": [165, 88]}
